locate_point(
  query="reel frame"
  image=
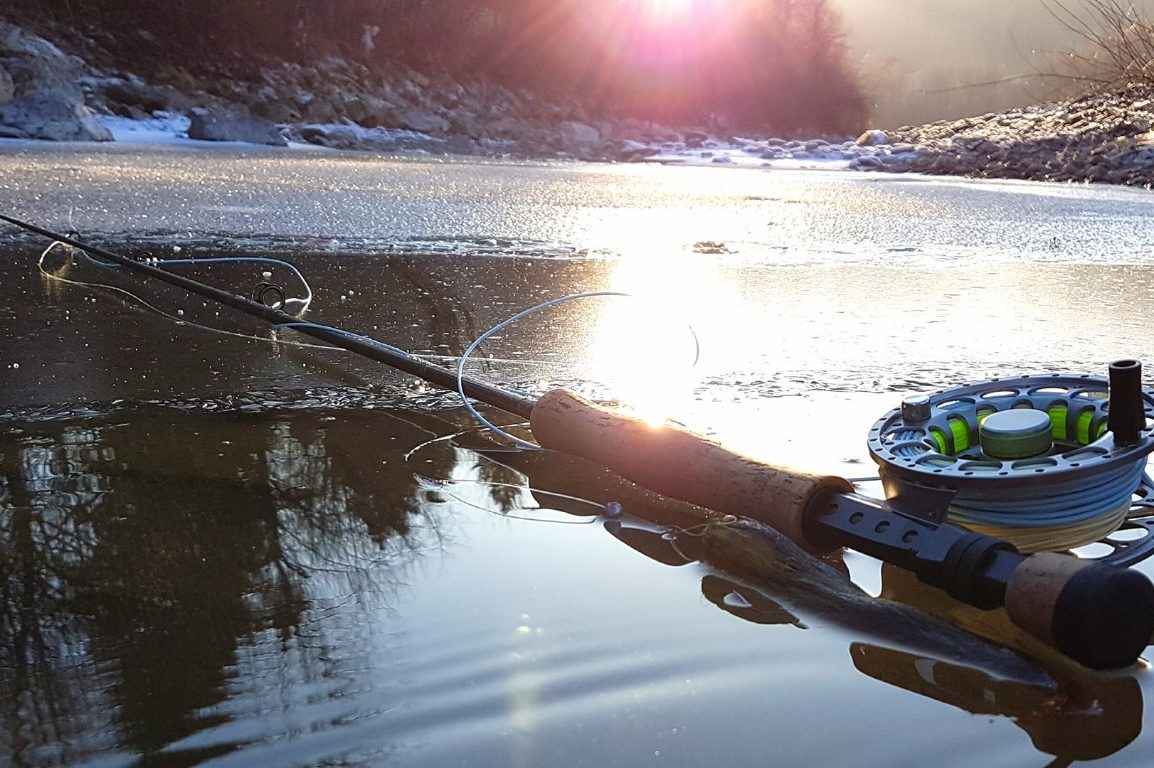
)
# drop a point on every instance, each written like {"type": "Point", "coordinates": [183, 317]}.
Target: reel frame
{"type": "Point", "coordinates": [928, 450]}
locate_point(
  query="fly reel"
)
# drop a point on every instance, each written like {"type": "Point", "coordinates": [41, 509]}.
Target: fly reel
{"type": "Point", "coordinates": [1048, 463]}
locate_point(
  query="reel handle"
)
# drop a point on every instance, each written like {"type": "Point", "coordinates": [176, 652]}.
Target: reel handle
{"type": "Point", "coordinates": [681, 464]}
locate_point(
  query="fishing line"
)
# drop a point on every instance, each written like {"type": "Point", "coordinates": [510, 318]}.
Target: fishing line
{"type": "Point", "coordinates": [301, 304]}
{"type": "Point", "coordinates": [611, 509]}
{"type": "Point", "coordinates": [157, 262]}
{"type": "Point", "coordinates": [177, 318]}
{"type": "Point", "coordinates": [464, 358]}
{"type": "Point", "coordinates": [1052, 598]}
{"type": "Point", "coordinates": [304, 301]}
{"type": "Point", "coordinates": [442, 486]}
{"type": "Point", "coordinates": [516, 441]}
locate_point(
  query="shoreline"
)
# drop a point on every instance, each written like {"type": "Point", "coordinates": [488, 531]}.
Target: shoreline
{"type": "Point", "coordinates": [47, 94]}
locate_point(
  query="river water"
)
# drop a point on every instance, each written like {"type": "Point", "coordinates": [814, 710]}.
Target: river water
{"type": "Point", "coordinates": [224, 548]}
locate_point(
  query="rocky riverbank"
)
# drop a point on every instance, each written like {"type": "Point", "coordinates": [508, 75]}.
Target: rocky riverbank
{"type": "Point", "coordinates": [1105, 138]}
{"type": "Point", "coordinates": [47, 93]}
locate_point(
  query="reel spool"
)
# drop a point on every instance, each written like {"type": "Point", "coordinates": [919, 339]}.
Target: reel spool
{"type": "Point", "coordinates": [1045, 462]}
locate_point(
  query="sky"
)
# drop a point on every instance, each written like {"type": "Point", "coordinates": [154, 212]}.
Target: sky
{"type": "Point", "coordinates": [915, 53]}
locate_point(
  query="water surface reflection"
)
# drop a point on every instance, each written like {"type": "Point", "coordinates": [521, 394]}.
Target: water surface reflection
{"type": "Point", "coordinates": [148, 566]}
{"type": "Point", "coordinates": [321, 566]}
{"type": "Point", "coordinates": [328, 586]}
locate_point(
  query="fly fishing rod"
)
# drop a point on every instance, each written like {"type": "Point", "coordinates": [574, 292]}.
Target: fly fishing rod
{"type": "Point", "coordinates": [506, 400]}
{"type": "Point", "coordinates": [1098, 614]}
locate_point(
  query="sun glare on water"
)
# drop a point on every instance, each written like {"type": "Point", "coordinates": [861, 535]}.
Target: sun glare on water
{"type": "Point", "coordinates": [646, 348]}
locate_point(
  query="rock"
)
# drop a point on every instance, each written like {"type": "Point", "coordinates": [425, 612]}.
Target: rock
{"type": "Point", "coordinates": [51, 116]}
{"type": "Point", "coordinates": [124, 95]}
{"type": "Point", "coordinates": [225, 124]}
{"type": "Point", "coordinates": [574, 133]}
{"type": "Point", "coordinates": [352, 107]}
{"type": "Point", "coordinates": [633, 151]}
{"type": "Point", "coordinates": [867, 163]}
{"type": "Point", "coordinates": [694, 139]}
{"type": "Point", "coordinates": [416, 119]}
{"type": "Point", "coordinates": [873, 138]}
{"type": "Point", "coordinates": [7, 87]}
{"type": "Point", "coordinates": [15, 41]}
{"type": "Point", "coordinates": [345, 136]}
{"type": "Point", "coordinates": [41, 91]}
{"type": "Point", "coordinates": [34, 64]}
{"type": "Point", "coordinates": [376, 110]}
{"type": "Point", "coordinates": [335, 136]}
{"type": "Point", "coordinates": [348, 135]}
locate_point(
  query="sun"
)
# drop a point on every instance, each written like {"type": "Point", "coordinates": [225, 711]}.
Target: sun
{"type": "Point", "coordinates": [668, 6]}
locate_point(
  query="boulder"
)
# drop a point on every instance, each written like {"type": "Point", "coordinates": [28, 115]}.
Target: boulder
{"type": "Point", "coordinates": [315, 109]}
{"type": "Point", "coordinates": [347, 136]}
{"type": "Point", "coordinates": [462, 123]}
{"type": "Point", "coordinates": [229, 124]}
{"type": "Point", "coordinates": [322, 135]}
{"type": "Point", "coordinates": [873, 138]}
{"type": "Point", "coordinates": [355, 106]}
{"type": "Point", "coordinates": [34, 64]}
{"type": "Point", "coordinates": [51, 116]}
{"type": "Point", "coordinates": [274, 109]}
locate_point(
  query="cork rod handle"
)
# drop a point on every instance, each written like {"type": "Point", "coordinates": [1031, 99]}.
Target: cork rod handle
{"type": "Point", "coordinates": [681, 464]}
{"type": "Point", "coordinates": [1097, 614]}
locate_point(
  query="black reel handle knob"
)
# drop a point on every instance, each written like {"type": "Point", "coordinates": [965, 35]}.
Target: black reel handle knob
{"type": "Point", "coordinates": [1127, 416]}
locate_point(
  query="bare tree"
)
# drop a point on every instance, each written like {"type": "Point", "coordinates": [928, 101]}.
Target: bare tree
{"type": "Point", "coordinates": [1117, 43]}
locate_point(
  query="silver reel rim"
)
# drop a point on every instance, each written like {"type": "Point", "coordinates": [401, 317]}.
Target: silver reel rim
{"type": "Point", "coordinates": [907, 450]}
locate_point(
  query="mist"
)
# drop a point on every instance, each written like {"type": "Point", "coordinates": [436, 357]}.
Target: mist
{"type": "Point", "coordinates": [926, 60]}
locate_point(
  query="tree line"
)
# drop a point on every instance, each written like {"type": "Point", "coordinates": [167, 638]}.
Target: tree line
{"type": "Point", "coordinates": [778, 64]}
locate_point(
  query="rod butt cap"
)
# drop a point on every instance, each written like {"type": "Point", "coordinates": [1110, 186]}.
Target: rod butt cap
{"type": "Point", "coordinates": [1097, 614]}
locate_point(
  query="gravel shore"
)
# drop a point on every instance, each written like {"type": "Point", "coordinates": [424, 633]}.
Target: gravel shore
{"type": "Point", "coordinates": [1103, 138]}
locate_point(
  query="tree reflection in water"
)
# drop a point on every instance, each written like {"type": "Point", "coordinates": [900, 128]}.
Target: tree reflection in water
{"type": "Point", "coordinates": [153, 572]}
{"type": "Point", "coordinates": [172, 579]}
